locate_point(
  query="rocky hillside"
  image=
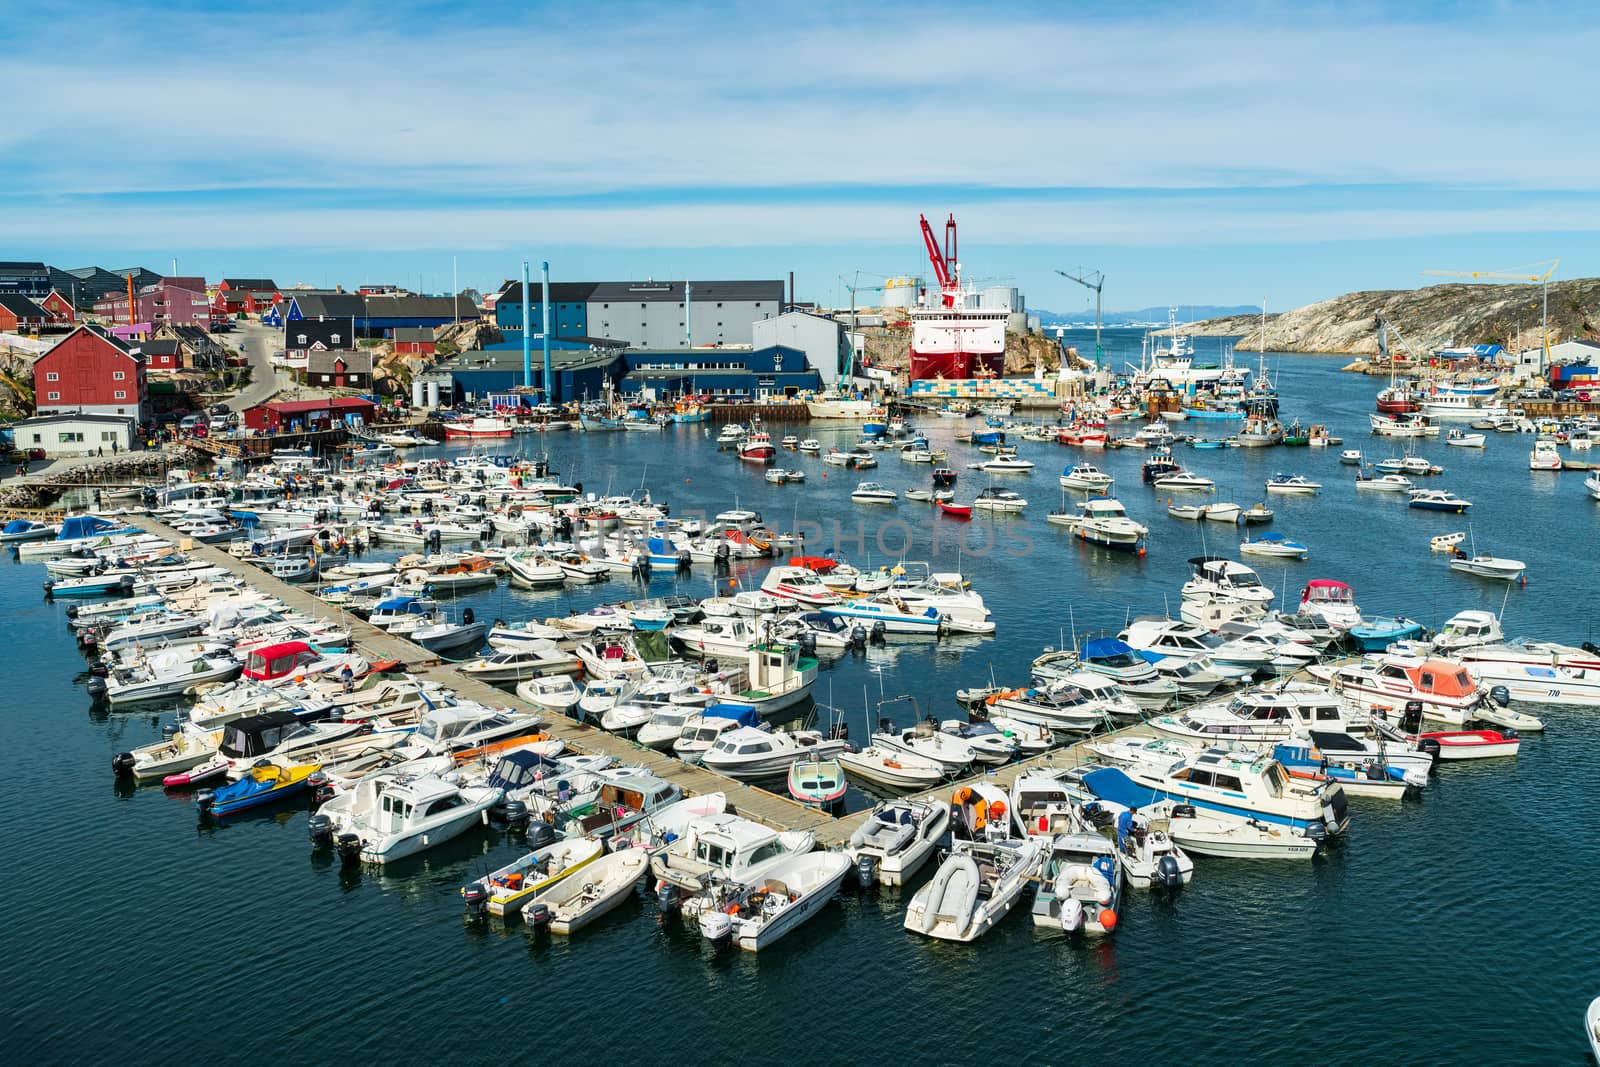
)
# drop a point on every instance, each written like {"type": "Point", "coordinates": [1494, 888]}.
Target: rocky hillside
{"type": "Point", "coordinates": [1432, 317]}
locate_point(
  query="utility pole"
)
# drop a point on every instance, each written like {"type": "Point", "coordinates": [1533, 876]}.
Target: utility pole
{"type": "Point", "coordinates": [549, 382]}
{"type": "Point", "coordinates": [1098, 284]}
{"type": "Point", "coordinates": [527, 341]}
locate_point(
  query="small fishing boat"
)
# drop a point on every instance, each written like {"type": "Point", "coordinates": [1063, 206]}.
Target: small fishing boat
{"type": "Point", "coordinates": [1006, 501]}
{"type": "Point", "coordinates": [1191, 512]}
{"type": "Point", "coordinates": [873, 493]}
{"type": "Point", "coordinates": [263, 784]}
{"type": "Point", "coordinates": [1474, 744]}
{"type": "Point", "coordinates": [891, 767]}
{"type": "Point", "coordinates": [817, 780]}
{"type": "Point", "coordinates": [1182, 481]}
{"type": "Point", "coordinates": [1274, 544]}
{"type": "Point", "coordinates": [1087, 476]}
{"type": "Point", "coordinates": [1377, 634]}
{"type": "Point", "coordinates": [1383, 483]}
{"type": "Point", "coordinates": [1350, 457]}
{"type": "Point", "coordinates": [1256, 514]}
{"type": "Point", "coordinates": [507, 890]}
{"type": "Point", "coordinates": [810, 446]}
{"type": "Point", "coordinates": [574, 903]}
{"type": "Point", "coordinates": [756, 915]}
{"type": "Point", "coordinates": [954, 511]}
{"type": "Point", "coordinates": [1461, 439]}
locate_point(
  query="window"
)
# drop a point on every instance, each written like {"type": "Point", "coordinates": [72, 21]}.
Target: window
{"type": "Point", "coordinates": [108, 435]}
{"type": "Point", "coordinates": [120, 394]}
{"type": "Point", "coordinates": [69, 437]}
{"type": "Point", "coordinates": [1228, 781]}
{"type": "Point", "coordinates": [52, 377]}
{"type": "Point", "coordinates": [55, 396]}
{"type": "Point", "coordinates": [335, 338]}
{"type": "Point", "coordinates": [301, 338]}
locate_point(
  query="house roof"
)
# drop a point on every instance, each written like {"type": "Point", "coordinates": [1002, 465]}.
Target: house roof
{"type": "Point", "coordinates": [129, 350]}
{"type": "Point", "coordinates": [330, 305]}
{"type": "Point", "coordinates": [21, 306]}
{"type": "Point", "coordinates": [159, 348]}
{"type": "Point", "coordinates": [560, 292]}
{"type": "Point", "coordinates": [413, 333]}
{"type": "Point", "coordinates": [248, 283]}
{"type": "Point", "coordinates": [331, 334]}
{"type": "Point", "coordinates": [415, 307]}
{"type": "Point", "coordinates": [81, 417]}
{"type": "Point", "coordinates": [300, 407]}
{"type": "Point", "coordinates": [647, 291]}
{"type": "Point", "coordinates": [355, 362]}
{"type": "Point", "coordinates": [22, 267]}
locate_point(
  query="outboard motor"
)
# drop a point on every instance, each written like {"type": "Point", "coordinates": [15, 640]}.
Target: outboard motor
{"type": "Point", "coordinates": [1591, 648]}
{"type": "Point", "coordinates": [467, 617]}
{"type": "Point", "coordinates": [711, 665]}
{"type": "Point", "coordinates": [684, 561]}
{"type": "Point", "coordinates": [72, 611]}
{"type": "Point", "coordinates": [808, 643]}
{"type": "Point", "coordinates": [1431, 746]}
{"type": "Point", "coordinates": [1183, 811]}
{"type": "Point", "coordinates": [204, 799]}
{"type": "Point", "coordinates": [839, 731]}
{"type": "Point", "coordinates": [122, 764]}
{"type": "Point", "coordinates": [321, 788]}
{"type": "Point", "coordinates": [858, 636]}
{"type": "Point", "coordinates": [49, 588]}
{"type": "Point", "coordinates": [169, 730]}
{"type": "Point", "coordinates": [320, 829]}
{"type": "Point", "coordinates": [866, 871]}
{"type": "Point", "coordinates": [96, 685]}
{"type": "Point", "coordinates": [1500, 695]}
{"type": "Point", "coordinates": [667, 898]}
{"type": "Point", "coordinates": [879, 630]}
{"type": "Point", "coordinates": [349, 847]}
{"type": "Point", "coordinates": [541, 834]}
{"type": "Point", "coordinates": [476, 900]}
{"type": "Point", "coordinates": [1411, 720]}
{"type": "Point", "coordinates": [516, 813]}
{"type": "Point", "coordinates": [537, 917]}
{"type": "Point", "coordinates": [1168, 874]}
{"type": "Point", "coordinates": [716, 925]}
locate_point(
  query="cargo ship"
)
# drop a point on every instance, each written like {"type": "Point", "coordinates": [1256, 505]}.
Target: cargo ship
{"type": "Point", "coordinates": [950, 338]}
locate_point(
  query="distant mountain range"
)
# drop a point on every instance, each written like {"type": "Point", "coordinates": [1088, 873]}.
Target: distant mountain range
{"type": "Point", "coordinates": [1186, 313]}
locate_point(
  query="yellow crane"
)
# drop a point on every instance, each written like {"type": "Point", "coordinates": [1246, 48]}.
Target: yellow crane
{"type": "Point", "coordinates": [1542, 280]}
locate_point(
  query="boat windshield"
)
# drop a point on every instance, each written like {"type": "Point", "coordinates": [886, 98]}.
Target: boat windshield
{"type": "Point", "coordinates": [1277, 779]}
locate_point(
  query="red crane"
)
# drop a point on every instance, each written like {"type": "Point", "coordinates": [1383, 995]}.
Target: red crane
{"type": "Point", "coordinates": [945, 266]}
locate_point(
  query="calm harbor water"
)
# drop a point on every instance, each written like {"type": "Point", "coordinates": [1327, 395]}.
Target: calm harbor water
{"type": "Point", "coordinates": [1457, 928]}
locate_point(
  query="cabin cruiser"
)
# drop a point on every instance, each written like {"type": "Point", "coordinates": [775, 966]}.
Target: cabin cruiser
{"type": "Point", "coordinates": [1261, 716]}
{"type": "Point", "coordinates": [874, 493]}
{"type": "Point", "coordinates": [1332, 603]}
{"type": "Point", "coordinates": [1162, 637]}
{"type": "Point", "coordinates": [679, 691]}
{"type": "Point", "coordinates": [947, 592]}
{"type": "Point", "coordinates": [557, 694]}
{"type": "Point", "coordinates": [1088, 477]}
{"type": "Point", "coordinates": [723, 847]}
{"type": "Point", "coordinates": [390, 816]}
{"type": "Point", "coordinates": [1115, 660]}
{"type": "Point", "coordinates": [701, 731]}
{"type": "Point", "coordinates": [167, 673]}
{"type": "Point", "coordinates": [974, 888]}
{"type": "Point", "coordinates": [747, 752]}
{"type": "Point", "coordinates": [468, 727]}
{"type": "Point", "coordinates": [895, 614]}
{"type": "Point", "coordinates": [897, 837]}
{"type": "Point", "coordinates": [949, 751]}
{"type": "Point", "coordinates": [990, 744]}
{"type": "Point", "coordinates": [1229, 785]}
{"type": "Point", "coordinates": [1103, 520]}
{"type": "Point", "coordinates": [528, 662]}
{"type": "Point", "coordinates": [1219, 576]}
{"type": "Point", "coordinates": [1059, 705]}
{"type": "Point", "coordinates": [800, 584]}
{"type": "Point", "coordinates": [1383, 483]}
{"type": "Point", "coordinates": [1445, 688]}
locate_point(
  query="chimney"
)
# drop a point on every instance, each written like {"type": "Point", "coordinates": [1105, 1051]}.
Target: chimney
{"type": "Point", "coordinates": [791, 289]}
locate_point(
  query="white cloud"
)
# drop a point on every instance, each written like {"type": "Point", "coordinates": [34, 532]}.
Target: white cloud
{"type": "Point", "coordinates": [646, 98]}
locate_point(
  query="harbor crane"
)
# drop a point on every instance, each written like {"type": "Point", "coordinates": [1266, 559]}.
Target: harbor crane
{"type": "Point", "coordinates": [1542, 280]}
{"type": "Point", "coordinates": [1096, 280]}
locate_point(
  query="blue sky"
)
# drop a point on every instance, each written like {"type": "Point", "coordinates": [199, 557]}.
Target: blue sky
{"type": "Point", "coordinates": [1285, 152]}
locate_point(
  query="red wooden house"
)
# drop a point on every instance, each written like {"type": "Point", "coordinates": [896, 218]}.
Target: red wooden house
{"type": "Point", "coordinates": [93, 372]}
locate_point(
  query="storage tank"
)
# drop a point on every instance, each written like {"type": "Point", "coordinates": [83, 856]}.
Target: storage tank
{"type": "Point", "coordinates": [433, 394]}
{"type": "Point", "coordinates": [418, 393]}
{"type": "Point", "coordinates": [901, 292]}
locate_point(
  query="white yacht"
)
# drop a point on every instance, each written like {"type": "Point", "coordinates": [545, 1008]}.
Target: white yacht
{"type": "Point", "coordinates": [1088, 477]}
{"type": "Point", "coordinates": [1219, 576]}
{"type": "Point", "coordinates": [748, 752]}
{"type": "Point", "coordinates": [1102, 520]}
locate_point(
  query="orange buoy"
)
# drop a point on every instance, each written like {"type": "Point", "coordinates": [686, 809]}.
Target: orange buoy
{"type": "Point", "coordinates": [1108, 918]}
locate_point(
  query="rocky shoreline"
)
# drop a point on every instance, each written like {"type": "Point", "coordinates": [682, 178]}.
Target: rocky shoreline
{"type": "Point", "coordinates": [1432, 317]}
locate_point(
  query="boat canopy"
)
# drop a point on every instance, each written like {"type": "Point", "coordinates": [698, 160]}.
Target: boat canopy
{"type": "Point", "coordinates": [1106, 648]}
{"type": "Point", "coordinates": [18, 526]}
{"type": "Point", "coordinates": [518, 769]}
{"type": "Point", "coordinates": [1443, 678]}
{"type": "Point", "coordinates": [1327, 589]}
{"type": "Point", "coordinates": [83, 526]}
{"type": "Point", "coordinates": [743, 714]}
{"type": "Point", "coordinates": [820, 564]}
{"type": "Point", "coordinates": [406, 605]}
{"type": "Point", "coordinates": [1112, 785]}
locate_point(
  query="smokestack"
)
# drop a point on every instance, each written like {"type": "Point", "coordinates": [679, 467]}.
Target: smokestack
{"type": "Point", "coordinates": [791, 289]}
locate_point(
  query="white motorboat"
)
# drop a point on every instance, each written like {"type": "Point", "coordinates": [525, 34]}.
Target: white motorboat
{"type": "Point", "coordinates": [897, 837]}
{"type": "Point", "coordinates": [1445, 688]}
{"type": "Point", "coordinates": [1103, 520]}
{"type": "Point", "coordinates": [528, 662]}
{"type": "Point", "coordinates": [574, 903]}
{"type": "Point", "coordinates": [1351, 457]}
{"type": "Point", "coordinates": [750, 753]}
{"type": "Point", "coordinates": [974, 888]}
{"type": "Point", "coordinates": [168, 673]}
{"type": "Point", "coordinates": [556, 694]}
{"type": "Point", "coordinates": [1222, 511]}
{"type": "Point", "coordinates": [1220, 576]}
{"type": "Point", "coordinates": [1330, 602]}
{"type": "Point", "coordinates": [1383, 483]}
{"type": "Point", "coordinates": [1485, 566]}
{"type": "Point", "coordinates": [186, 748]}
{"type": "Point", "coordinates": [990, 744]}
{"type": "Point", "coordinates": [469, 726]}
{"type": "Point", "coordinates": [1088, 477]}
{"type": "Point", "coordinates": [388, 817]}
{"type": "Point", "coordinates": [1545, 456]}
{"type": "Point", "coordinates": [1460, 439]}
{"type": "Point", "coordinates": [507, 891]}
{"type": "Point", "coordinates": [1007, 501]}
{"type": "Point", "coordinates": [1591, 1025]}
{"type": "Point", "coordinates": [892, 767]}
{"type": "Point", "coordinates": [873, 493]}
{"type": "Point", "coordinates": [532, 570]}
{"type": "Point", "coordinates": [1182, 481]}
{"type": "Point", "coordinates": [444, 636]}
{"type": "Point", "coordinates": [1079, 885]}
{"type": "Point", "coordinates": [758, 914]}
{"type": "Point", "coordinates": [800, 584]}
{"type": "Point", "coordinates": [894, 613]}
{"type": "Point", "coordinates": [1292, 484]}
{"type": "Point", "coordinates": [724, 848]}
{"type": "Point", "coordinates": [1004, 465]}
{"type": "Point", "coordinates": [949, 751]}
{"type": "Point", "coordinates": [1208, 835]}
{"type": "Point", "coordinates": [1273, 544]}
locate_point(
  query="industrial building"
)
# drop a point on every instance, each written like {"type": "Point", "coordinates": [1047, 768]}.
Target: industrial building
{"type": "Point", "coordinates": [300, 416]}
{"type": "Point", "coordinates": [77, 433]}
{"type": "Point", "coordinates": [374, 316]}
{"type": "Point", "coordinates": [579, 373]}
{"type": "Point", "coordinates": [31, 280]}
{"type": "Point", "coordinates": [648, 314]}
